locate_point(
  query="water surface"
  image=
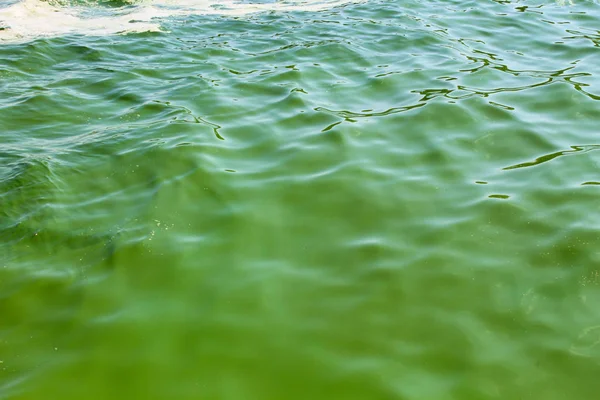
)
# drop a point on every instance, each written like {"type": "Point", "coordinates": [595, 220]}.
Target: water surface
{"type": "Point", "coordinates": [299, 200]}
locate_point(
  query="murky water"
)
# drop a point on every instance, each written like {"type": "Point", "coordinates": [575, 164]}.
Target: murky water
{"type": "Point", "coordinates": [299, 200]}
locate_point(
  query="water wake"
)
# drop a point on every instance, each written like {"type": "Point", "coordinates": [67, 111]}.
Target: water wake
{"type": "Point", "coordinates": [29, 19]}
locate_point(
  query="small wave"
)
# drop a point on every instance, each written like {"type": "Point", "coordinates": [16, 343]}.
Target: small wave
{"type": "Point", "coordinates": [29, 19]}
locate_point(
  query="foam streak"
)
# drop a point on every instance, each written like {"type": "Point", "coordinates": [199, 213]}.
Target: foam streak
{"type": "Point", "coordinates": [29, 19]}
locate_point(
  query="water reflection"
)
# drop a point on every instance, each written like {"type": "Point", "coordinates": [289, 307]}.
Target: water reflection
{"type": "Point", "coordinates": [552, 156]}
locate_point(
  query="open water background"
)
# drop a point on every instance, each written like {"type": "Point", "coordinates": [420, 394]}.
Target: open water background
{"type": "Point", "coordinates": [372, 200]}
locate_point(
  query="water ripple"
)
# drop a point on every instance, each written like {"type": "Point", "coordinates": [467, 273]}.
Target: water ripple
{"type": "Point", "coordinates": [342, 196]}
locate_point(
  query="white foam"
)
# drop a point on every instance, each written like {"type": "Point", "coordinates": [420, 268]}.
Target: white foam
{"type": "Point", "coordinates": [29, 19]}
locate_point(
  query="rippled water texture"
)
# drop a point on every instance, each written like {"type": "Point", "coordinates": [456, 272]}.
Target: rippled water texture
{"type": "Point", "coordinates": [374, 200]}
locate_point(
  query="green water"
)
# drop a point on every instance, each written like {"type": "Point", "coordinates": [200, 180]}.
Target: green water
{"type": "Point", "coordinates": [383, 200]}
